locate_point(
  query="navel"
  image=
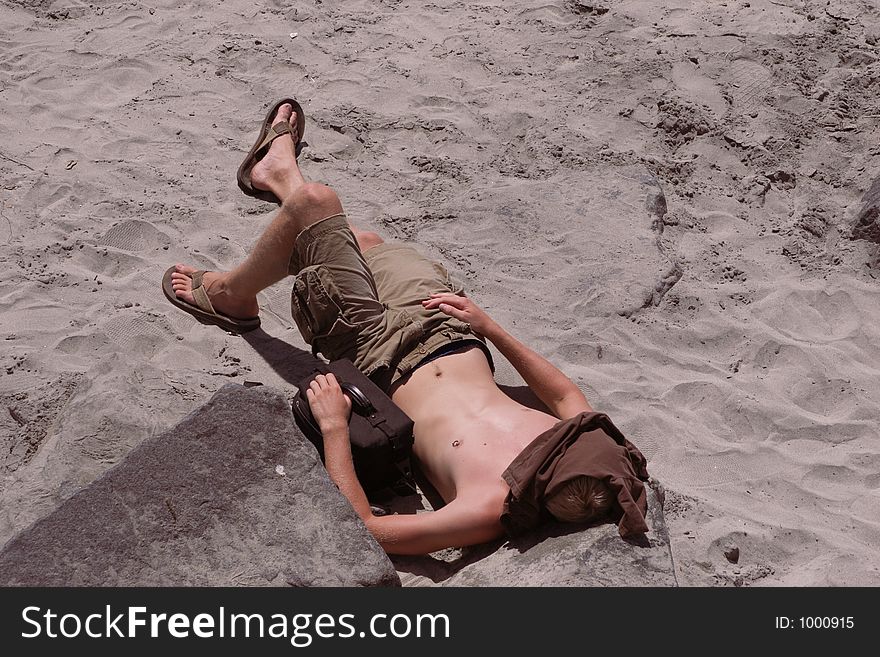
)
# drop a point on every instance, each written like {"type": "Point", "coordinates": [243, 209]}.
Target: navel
{"type": "Point", "coordinates": [456, 443]}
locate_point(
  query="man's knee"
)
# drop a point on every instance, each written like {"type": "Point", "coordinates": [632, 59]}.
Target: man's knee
{"type": "Point", "coordinates": [312, 202]}
{"type": "Point", "coordinates": [316, 194]}
{"type": "Point", "coordinates": [367, 240]}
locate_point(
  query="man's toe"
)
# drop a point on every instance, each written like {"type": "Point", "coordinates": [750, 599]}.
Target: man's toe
{"type": "Point", "coordinates": [185, 270]}
{"type": "Point", "coordinates": [284, 113]}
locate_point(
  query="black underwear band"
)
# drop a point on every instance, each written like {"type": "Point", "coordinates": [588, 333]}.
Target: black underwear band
{"type": "Point", "coordinates": [455, 347]}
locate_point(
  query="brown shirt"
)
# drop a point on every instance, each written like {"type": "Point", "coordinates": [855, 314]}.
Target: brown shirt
{"type": "Point", "coordinates": [587, 444]}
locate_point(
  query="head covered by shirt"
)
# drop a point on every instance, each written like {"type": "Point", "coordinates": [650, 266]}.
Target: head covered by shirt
{"type": "Point", "coordinates": [588, 444]}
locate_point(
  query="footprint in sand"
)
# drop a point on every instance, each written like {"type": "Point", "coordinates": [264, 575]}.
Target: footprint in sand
{"type": "Point", "coordinates": [139, 334]}
{"type": "Point", "coordinates": [134, 235]}
{"type": "Point", "coordinates": [748, 83]}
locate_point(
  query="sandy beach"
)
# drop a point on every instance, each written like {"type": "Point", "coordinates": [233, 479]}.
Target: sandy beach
{"type": "Point", "coordinates": [657, 197]}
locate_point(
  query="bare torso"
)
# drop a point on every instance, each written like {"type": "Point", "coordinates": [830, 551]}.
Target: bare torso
{"type": "Point", "coordinates": [467, 431]}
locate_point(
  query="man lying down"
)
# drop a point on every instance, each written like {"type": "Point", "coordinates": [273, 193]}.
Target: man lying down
{"type": "Point", "coordinates": [500, 467]}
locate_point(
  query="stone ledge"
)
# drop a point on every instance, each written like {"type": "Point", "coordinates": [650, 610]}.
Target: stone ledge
{"type": "Point", "coordinates": [555, 555]}
{"type": "Point", "coordinates": [231, 495]}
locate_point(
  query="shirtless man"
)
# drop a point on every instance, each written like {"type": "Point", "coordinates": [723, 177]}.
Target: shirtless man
{"type": "Point", "coordinates": [403, 322]}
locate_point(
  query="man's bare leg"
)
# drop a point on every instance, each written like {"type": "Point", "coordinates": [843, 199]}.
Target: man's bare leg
{"type": "Point", "coordinates": [234, 293]}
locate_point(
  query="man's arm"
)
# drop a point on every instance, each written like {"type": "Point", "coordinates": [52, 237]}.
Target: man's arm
{"type": "Point", "coordinates": [459, 523]}
{"type": "Point", "coordinates": [550, 385]}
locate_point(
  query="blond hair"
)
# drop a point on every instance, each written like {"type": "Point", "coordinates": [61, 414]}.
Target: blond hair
{"type": "Point", "coordinates": [581, 499]}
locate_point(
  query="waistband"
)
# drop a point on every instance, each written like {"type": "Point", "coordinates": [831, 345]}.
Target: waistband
{"type": "Point", "coordinates": [431, 347]}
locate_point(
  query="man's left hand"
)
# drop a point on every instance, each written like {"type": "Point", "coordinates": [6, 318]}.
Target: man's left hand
{"type": "Point", "coordinates": [463, 309]}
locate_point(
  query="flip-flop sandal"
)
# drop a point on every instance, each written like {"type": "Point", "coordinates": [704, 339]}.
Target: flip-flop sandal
{"type": "Point", "coordinates": [203, 310]}
{"type": "Point", "coordinates": [268, 134]}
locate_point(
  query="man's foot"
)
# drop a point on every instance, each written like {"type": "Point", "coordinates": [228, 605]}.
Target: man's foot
{"type": "Point", "coordinates": [278, 171]}
{"type": "Point", "coordinates": [222, 298]}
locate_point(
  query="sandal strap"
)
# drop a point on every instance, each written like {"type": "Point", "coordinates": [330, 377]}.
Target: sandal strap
{"type": "Point", "coordinates": [277, 130]}
{"type": "Point", "coordinates": [200, 296]}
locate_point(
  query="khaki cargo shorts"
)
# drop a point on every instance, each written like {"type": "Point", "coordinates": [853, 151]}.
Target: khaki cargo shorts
{"type": "Point", "coordinates": [367, 306]}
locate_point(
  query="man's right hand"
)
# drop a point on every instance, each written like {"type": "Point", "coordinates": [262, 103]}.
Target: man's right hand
{"type": "Point", "coordinates": [464, 310]}
{"type": "Point", "coordinates": [330, 406]}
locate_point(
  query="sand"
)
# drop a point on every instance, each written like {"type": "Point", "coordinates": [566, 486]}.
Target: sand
{"type": "Point", "coordinates": [658, 197]}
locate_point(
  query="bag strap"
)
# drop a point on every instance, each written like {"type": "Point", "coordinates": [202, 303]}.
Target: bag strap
{"type": "Point", "coordinates": [365, 408]}
{"type": "Point", "coordinates": [358, 399]}
{"type": "Point", "coordinates": [379, 422]}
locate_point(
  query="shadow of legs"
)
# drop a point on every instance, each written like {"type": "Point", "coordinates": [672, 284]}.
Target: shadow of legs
{"type": "Point", "coordinates": [290, 363]}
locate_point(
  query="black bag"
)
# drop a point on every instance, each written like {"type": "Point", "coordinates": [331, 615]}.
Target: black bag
{"type": "Point", "coordinates": [381, 433]}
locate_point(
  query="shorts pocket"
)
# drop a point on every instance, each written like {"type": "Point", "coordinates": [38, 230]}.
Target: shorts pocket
{"type": "Point", "coordinates": [319, 312]}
